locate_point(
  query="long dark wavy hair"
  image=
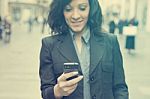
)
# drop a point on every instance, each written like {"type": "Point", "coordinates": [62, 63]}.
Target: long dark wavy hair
{"type": "Point", "coordinates": [57, 21]}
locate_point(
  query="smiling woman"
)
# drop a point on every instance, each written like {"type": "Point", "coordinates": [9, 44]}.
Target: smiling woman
{"type": "Point", "coordinates": [57, 21]}
{"type": "Point", "coordinates": [78, 38]}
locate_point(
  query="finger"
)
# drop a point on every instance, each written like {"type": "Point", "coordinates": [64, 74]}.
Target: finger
{"type": "Point", "coordinates": [70, 90]}
{"type": "Point", "coordinates": [74, 81]}
{"type": "Point", "coordinates": [64, 76]}
{"type": "Point", "coordinates": [66, 89]}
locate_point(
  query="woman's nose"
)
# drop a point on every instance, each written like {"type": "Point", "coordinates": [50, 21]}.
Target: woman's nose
{"type": "Point", "coordinates": [75, 15]}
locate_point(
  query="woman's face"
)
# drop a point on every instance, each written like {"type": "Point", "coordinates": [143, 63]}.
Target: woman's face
{"type": "Point", "coordinates": [76, 14]}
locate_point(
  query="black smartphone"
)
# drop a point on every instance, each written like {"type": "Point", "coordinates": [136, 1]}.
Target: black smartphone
{"type": "Point", "coordinates": [71, 67]}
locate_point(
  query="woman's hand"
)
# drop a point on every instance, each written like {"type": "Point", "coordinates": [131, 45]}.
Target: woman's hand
{"type": "Point", "coordinates": [64, 87]}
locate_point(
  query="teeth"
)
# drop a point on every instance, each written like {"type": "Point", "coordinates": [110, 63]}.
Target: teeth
{"type": "Point", "coordinates": [77, 22]}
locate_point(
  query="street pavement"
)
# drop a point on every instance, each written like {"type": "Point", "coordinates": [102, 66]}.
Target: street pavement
{"type": "Point", "coordinates": [19, 65]}
{"type": "Point", "coordinates": [137, 66]}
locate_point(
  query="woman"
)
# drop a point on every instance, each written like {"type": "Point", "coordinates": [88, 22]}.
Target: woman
{"type": "Point", "coordinates": [76, 25]}
{"type": "Point", "coordinates": [131, 35]}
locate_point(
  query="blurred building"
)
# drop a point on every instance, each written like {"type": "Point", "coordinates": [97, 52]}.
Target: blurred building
{"type": "Point", "coordinates": [22, 9]}
{"type": "Point", "coordinates": [128, 9]}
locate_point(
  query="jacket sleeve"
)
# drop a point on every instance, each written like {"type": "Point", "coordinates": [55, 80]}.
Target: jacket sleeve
{"type": "Point", "coordinates": [46, 71]}
{"type": "Point", "coordinates": [120, 89]}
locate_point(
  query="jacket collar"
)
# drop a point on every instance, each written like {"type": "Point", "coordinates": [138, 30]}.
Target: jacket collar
{"type": "Point", "coordinates": [67, 49]}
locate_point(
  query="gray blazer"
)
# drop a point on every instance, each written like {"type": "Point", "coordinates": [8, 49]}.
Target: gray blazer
{"type": "Point", "coordinates": [107, 79]}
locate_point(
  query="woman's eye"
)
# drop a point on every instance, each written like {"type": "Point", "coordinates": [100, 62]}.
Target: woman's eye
{"type": "Point", "coordinates": [82, 8]}
{"type": "Point", "coordinates": [67, 9]}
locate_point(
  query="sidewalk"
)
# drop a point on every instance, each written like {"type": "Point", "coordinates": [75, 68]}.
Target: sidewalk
{"type": "Point", "coordinates": [19, 65]}
{"type": "Point", "coordinates": [137, 66]}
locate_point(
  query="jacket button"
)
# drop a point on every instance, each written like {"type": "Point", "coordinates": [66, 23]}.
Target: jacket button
{"type": "Point", "coordinates": [94, 97]}
{"type": "Point", "coordinates": [92, 78]}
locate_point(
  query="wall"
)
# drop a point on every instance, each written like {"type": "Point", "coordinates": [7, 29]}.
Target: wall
{"type": "Point", "coordinates": [148, 17]}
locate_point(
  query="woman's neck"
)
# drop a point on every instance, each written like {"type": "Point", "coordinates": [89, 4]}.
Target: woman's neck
{"type": "Point", "coordinates": [79, 34]}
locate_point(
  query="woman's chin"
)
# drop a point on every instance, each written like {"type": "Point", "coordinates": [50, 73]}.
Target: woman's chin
{"type": "Point", "coordinates": [77, 30]}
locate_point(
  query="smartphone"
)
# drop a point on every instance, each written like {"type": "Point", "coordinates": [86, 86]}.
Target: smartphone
{"type": "Point", "coordinates": [71, 67]}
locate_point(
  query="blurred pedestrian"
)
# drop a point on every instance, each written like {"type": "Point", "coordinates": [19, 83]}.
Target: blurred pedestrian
{"type": "Point", "coordinates": [7, 29]}
{"type": "Point", "coordinates": [112, 27]}
{"type": "Point", "coordinates": [30, 23]}
{"type": "Point", "coordinates": [1, 28]}
{"type": "Point", "coordinates": [77, 25]}
{"type": "Point", "coordinates": [122, 22]}
{"type": "Point", "coordinates": [134, 22]}
{"type": "Point", "coordinates": [130, 38]}
{"type": "Point", "coordinates": [120, 26]}
{"type": "Point", "coordinates": [44, 23]}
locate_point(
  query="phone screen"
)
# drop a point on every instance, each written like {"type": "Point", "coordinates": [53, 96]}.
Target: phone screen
{"type": "Point", "coordinates": [71, 67]}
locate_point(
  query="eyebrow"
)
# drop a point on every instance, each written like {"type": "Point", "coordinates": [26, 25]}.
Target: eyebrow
{"type": "Point", "coordinates": [79, 4]}
{"type": "Point", "coordinates": [83, 4]}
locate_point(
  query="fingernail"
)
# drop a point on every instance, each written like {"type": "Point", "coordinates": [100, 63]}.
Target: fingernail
{"type": "Point", "coordinates": [75, 73]}
{"type": "Point", "coordinates": [81, 77]}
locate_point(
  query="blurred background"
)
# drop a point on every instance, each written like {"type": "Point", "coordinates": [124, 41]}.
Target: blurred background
{"type": "Point", "coordinates": [23, 23]}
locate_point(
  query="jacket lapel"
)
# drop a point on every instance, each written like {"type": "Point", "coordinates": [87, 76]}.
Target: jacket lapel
{"type": "Point", "coordinates": [97, 50]}
{"type": "Point", "coordinates": [67, 49]}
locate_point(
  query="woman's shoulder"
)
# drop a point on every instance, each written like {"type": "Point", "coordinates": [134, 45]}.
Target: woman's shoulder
{"type": "Point", "coordinates": [106, 34]}
{"type": "Point", "coordinates": [51, 40]}
{"type": "Point", "coordinates": [108, 37]}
